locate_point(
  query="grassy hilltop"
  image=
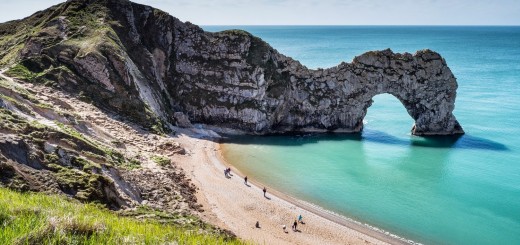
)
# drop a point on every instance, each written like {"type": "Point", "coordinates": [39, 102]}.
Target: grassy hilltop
{"type": "Point", "coordinates": [33, 218]}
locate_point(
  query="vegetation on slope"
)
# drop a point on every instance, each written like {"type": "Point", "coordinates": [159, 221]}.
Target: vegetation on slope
{"type": "Point", "coordinates": [63, 46]}
{"type": "Point", "coordinates": [29, 218]}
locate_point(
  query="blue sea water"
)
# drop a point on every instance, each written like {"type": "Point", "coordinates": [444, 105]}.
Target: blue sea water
{"type": "Point", "coordinates": [436, 191]}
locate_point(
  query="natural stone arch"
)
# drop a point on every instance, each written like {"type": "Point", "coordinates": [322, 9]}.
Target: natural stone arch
{"type": "Point", "coordinates": [422, 83]}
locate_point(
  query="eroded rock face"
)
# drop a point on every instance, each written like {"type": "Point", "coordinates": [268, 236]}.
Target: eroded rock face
{"type": "Point", "coordinates": [280, 95]}
{"type": "Point", "coordinates": [235, 80]}
{"type": "Point", "coordinates": [151, 61]}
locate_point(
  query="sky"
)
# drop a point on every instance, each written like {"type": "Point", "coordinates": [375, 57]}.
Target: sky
{"type": "Point", "coordinates": [315, 12]}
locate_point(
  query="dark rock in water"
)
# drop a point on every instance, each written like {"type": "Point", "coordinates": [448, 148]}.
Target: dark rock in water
{"type": "Point", "coordinates": [151, 67]}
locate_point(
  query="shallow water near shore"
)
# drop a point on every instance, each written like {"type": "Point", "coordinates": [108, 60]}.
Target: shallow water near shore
{"type": "Point", "coordinates": [441, 190]}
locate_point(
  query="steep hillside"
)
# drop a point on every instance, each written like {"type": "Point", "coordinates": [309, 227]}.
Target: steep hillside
{"type": "Point", "coordinates": [53, 143]}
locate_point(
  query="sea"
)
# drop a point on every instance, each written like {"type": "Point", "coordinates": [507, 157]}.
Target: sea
{"type": "Point", "coordinates": [443, 190]}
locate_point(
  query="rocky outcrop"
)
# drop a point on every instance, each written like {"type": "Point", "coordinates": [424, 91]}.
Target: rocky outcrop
{"type": "Point", "coordinates": [59, 159]}
{"type": "Point", "coordinates": [149, 66]}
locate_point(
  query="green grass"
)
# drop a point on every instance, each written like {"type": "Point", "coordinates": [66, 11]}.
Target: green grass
{"type": "Point", "coordinates": [133, 164]}
{"type": "Point", "coordinates": [162, 160]}
{"type": "Point", "coordinates": [21, 72]}
{"type": "Point", "coordinates": [33, 218]}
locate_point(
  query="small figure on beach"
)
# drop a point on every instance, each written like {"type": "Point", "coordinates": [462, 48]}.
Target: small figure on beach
{"type": "Point", "coordinates": [227, 173]}
{"type": "Point", "coordinates": [285, 229]}
{"type": "Point", "coordinates": [257, 225]}
{"type": "Point", "coordinates": [295, 224]}
{"type": "Point", "coordinates": [245, 180]}
{"type": "Point", "coordinates": [265, 190]}
{"type": "Point", "coordinates": [300, 218]}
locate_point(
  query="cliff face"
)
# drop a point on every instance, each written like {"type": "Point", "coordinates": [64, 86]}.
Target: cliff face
{"type": "Point", "coordinates": [153, 68]}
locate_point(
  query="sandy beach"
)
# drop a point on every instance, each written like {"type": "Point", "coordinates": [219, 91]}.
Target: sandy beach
{"type": "Point", "coordinates": [230, 204]}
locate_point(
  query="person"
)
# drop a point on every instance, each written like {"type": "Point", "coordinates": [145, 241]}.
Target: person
{"type": "Point", "coordinates": [257, 225]}
{"type": "Point", "coordinates": [225, 172]}
{"type": "Point", "coordinates": [295, 224]}
{"type": "Point", "coordinates": [265, 190]}
{"type": "Point", "coordinates": [229, 172]}
{"type": "Point", "coordinates": [245, 180]}
{"type": "Point", "coordinates": [300, 218]}
{"type": "Point", "coordinates": [284, 228]}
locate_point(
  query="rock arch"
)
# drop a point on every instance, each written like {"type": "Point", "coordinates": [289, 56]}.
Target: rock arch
{"type": "Point", "coordinates": [422, 83]}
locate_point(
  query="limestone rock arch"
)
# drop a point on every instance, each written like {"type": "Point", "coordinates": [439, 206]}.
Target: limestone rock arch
{"type": "Point", "coordinates": [423, 83]}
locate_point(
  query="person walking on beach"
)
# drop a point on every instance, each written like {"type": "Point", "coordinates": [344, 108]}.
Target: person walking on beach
{"type": "Point", "coordinates": [245, 180]}
{"type": "Point", "coordinates": [265, 190]}
{"type": "Point", "coordinates": [295, 224]}
{"type": "Point", "coordinates": [227, 172]}
{"type": "Point", "coordinates": [300, 218]}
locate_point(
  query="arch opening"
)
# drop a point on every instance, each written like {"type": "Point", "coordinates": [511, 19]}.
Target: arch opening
{"type": "Point", "coordinates": [387, 114]}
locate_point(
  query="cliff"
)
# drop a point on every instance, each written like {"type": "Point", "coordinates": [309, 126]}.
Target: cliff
{"type": "Point", "coordinates": [149, 66]}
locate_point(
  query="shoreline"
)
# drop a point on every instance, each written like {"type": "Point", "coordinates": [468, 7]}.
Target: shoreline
{"type": "Point", "coordinates": [230, 204]}
{"type": "Point", "coordinates": [364, 228]}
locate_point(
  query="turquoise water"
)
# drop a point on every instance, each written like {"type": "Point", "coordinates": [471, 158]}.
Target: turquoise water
{"type": "Point", "coordinates": [438, 190]}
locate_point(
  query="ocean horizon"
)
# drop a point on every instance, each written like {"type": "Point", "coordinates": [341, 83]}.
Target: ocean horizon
{"type": "Point", "coordinates": [433, 190]}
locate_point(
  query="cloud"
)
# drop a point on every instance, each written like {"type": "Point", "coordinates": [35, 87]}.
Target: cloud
{"type": "Point", "coordinates": [315, 12]}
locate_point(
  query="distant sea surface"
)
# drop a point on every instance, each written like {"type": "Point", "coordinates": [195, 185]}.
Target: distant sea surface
{"type": "Point", "coordinates": [434, 191]}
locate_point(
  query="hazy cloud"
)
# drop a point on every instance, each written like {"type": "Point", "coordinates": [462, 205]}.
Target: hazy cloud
{"type": "Point", "coordinates": [316, 12]}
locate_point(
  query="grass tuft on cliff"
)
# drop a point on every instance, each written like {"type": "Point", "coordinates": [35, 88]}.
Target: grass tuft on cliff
{"type": "Point", "coordinates": [31, 218]}
{"type": "Point", "coordinates": [161, 160]}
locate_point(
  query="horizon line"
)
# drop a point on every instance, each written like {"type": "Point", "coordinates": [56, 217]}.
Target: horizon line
{"type": "Point", "coordinates": [418, 25]}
